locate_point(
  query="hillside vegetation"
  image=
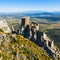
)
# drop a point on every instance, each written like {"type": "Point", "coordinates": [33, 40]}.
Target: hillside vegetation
{"type": "Point", "coordinates": [16, 47]}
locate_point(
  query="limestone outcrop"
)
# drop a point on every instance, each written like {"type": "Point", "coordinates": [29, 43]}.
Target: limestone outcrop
{"type": "Point", "coordinates": [4, 26]}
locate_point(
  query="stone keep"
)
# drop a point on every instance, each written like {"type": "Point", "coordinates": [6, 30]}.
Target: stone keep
{"type": "Point", "coordinates": [25, 21]}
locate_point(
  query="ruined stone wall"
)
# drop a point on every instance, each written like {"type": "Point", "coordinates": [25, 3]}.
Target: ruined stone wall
{"type": "Point", "coordinates": [31, 31]}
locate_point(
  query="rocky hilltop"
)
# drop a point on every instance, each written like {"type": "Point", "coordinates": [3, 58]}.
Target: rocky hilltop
{"type": "Point", "coordinates": [4, 26]}
{"type": "Point", "coordinates": [27, 43]}
{"type": "Point", "coordinates": [31, 30]}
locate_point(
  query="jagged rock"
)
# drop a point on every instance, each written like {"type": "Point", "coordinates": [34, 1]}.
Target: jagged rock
{"type": "Point", "coordinates": [4, 26]}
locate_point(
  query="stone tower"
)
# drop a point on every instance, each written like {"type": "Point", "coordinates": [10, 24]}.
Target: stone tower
{"type": "Point", "coordinates": [25, 21]}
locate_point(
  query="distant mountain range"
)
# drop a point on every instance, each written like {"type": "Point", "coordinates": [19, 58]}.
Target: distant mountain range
{"type": "Point", "coordinates": [34, 14]}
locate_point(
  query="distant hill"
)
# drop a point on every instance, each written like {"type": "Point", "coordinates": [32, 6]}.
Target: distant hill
{"type": "Point", "coordinates": [51, 16]}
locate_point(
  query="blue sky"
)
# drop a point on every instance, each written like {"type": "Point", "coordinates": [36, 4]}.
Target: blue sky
{"type": "Point", "coordinates": [29, 5]}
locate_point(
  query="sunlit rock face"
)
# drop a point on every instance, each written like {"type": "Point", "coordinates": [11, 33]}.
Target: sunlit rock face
{"type": "Point", "coordinates": [4, 26]}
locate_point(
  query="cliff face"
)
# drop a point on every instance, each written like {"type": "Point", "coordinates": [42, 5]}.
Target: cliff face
{"type": "Point", "coordinates": [4, 26]}
{"type": "Point", "coordinates": [16, 47]}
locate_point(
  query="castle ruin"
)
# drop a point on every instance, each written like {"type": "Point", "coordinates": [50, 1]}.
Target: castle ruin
{"type": "Point", "coordinates": [31, 31]}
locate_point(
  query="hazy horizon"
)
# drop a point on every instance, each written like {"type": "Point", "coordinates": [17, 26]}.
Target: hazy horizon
{"type": "Point", "coordinates": [29, 5]}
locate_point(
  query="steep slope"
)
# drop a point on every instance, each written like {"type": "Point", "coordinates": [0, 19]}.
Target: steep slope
{"type": "Point", "coordinates": [16, 47]}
